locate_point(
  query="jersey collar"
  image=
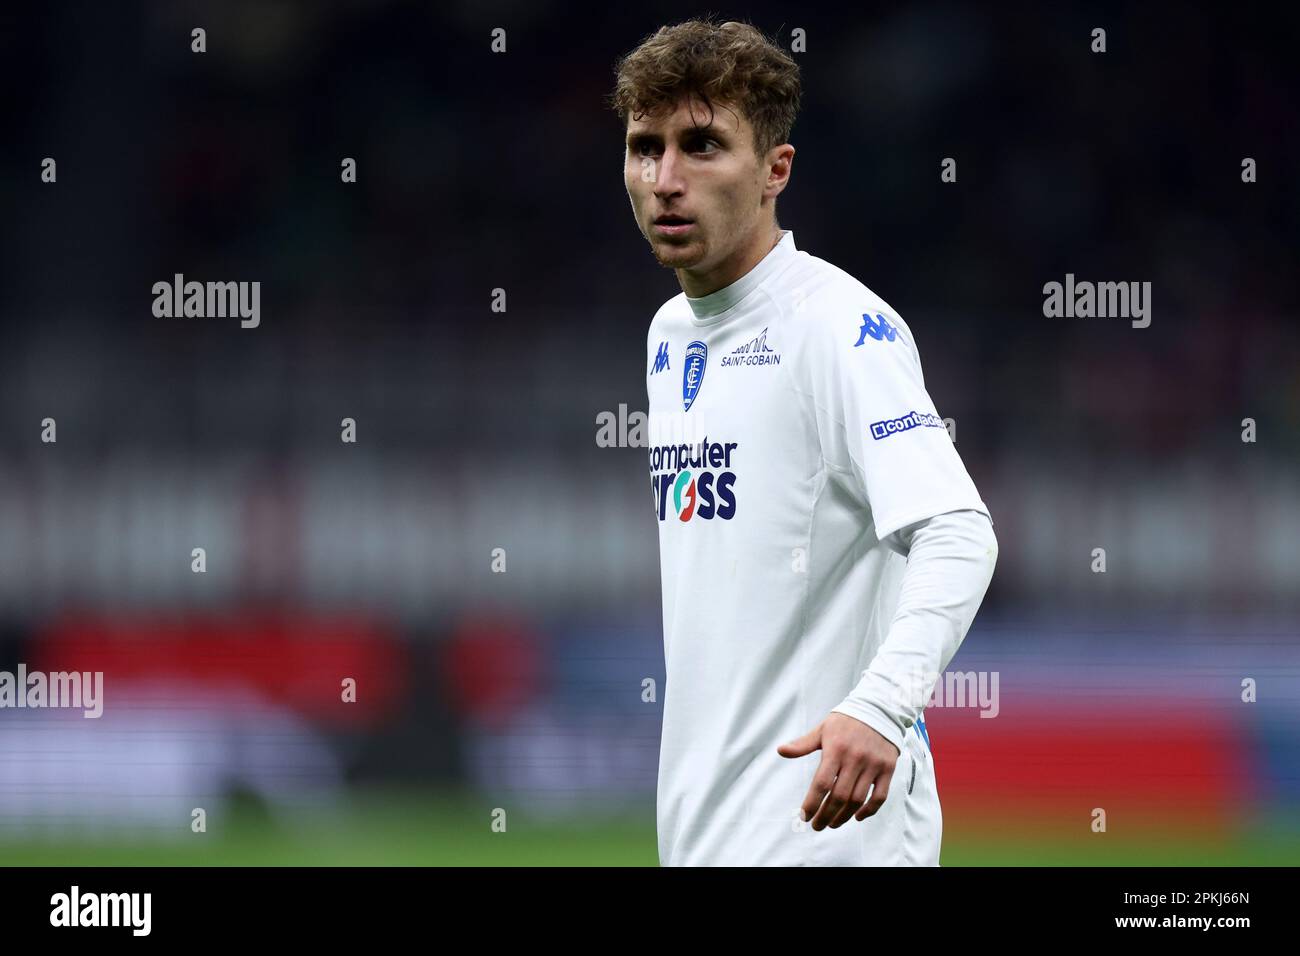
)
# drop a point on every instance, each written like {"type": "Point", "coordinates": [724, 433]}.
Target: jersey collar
{"type": "Point", "coordinates": [710, 308]}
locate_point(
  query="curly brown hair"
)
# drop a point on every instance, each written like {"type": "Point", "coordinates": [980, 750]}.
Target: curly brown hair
{"type": "Point", "coordinates": [725, 63]}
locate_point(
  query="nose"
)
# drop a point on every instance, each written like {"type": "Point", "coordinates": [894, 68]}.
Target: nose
{"type": "Point", "coordinates": [668, 178]}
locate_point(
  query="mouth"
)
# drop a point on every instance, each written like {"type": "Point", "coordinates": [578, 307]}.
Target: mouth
{"type": "Point", "coordinates": [673, 225]}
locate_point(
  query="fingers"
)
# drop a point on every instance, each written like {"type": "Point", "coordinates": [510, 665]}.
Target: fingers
{"type": "Point", "coordinates": [802, 746]}
{"type": "Point", "coordinates": [852, 780]}
{"type": "Point", "coordinates": [840, 794]}
{"type": "Point", "coordinates": [878, 796]}
{"type": "Point", "coordinates": [823, 782]}
{"type": "Point", "coordinates": [854, 803]}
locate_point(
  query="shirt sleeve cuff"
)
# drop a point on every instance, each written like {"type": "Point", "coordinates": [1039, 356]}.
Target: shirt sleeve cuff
{"type": "Point", "coordinates": [875, 718]}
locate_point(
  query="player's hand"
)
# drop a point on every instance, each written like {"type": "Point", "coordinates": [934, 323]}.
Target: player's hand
{"type": "Point", "coordinates": [853, 758]}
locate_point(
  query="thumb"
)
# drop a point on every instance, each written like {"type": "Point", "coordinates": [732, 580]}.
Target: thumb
{"type": "Point", "coordinates": [802, 745]}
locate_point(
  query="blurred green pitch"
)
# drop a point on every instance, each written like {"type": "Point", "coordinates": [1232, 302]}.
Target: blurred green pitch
{"type": "Point", "coordinates": [409, 829]}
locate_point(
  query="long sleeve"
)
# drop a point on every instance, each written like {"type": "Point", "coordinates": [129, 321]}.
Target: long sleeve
{"type": "Point", "coordinates": [950, 561]}
{"type": "Point", "coordinates": [878, 427]}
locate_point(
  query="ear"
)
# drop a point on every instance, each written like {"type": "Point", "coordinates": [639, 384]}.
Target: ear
{"type": "Point", "coordinates": [779, 163]}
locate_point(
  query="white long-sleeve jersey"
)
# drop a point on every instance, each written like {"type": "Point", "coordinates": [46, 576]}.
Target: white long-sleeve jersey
{"type": "Point", "coordinates": [795, 456]}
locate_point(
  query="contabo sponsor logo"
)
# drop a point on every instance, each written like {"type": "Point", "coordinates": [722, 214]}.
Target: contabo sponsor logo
{"type": "Point", "coordinates": [892, 426]}
{"type": "Point", "coordinates": [754, 352]}
{"type": "Point", "coordinates": [693, 481]}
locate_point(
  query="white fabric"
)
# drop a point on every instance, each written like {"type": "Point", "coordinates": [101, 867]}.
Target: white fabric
{"type": "Point", "coordinates": [950, 561]}
{"type": "Point", "coordinates": [809, 443]}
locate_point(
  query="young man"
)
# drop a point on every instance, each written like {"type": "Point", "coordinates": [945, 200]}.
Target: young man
{"type": "Point", "coordinates": [823, 550]}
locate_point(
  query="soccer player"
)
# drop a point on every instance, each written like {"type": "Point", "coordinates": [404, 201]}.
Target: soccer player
{"type": "Point", "coordinates": [823, 549]}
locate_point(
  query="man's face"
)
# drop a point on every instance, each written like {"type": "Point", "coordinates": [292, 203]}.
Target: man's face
{"type": "Point", "coordinates": [696, 189]}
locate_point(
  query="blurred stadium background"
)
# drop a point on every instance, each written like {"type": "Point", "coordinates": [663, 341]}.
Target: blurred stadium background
{"type": "Point", "coordinates": [477, 430]}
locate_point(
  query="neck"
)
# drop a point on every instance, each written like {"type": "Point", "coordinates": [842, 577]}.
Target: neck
{"type": "Point", "coordinates": [743, 259]}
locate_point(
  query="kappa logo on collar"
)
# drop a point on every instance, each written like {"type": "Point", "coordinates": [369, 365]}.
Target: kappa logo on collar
{"type": "Point", "coordinates": [697, 360]}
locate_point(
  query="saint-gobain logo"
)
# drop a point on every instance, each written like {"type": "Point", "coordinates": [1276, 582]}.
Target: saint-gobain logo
{"type": "Point", "coordinates": [697, 359]}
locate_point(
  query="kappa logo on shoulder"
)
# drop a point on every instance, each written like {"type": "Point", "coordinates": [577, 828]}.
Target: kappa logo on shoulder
{"type": "Point", "coordinates": [878, 328]}
{"type": "Point", "coordinates": [697, 360]}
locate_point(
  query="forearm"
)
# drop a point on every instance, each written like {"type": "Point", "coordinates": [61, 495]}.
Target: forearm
{"type": "Point", "coordinates": [950, 561]}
